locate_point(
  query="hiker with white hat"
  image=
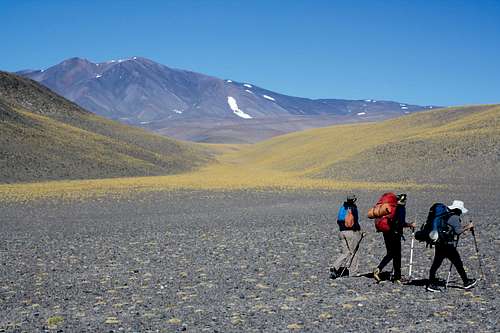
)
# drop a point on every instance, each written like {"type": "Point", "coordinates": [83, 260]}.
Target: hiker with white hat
{"type": "Point", "coordinates": [446, 245]}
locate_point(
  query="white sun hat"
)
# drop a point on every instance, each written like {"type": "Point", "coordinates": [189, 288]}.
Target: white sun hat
{"type": "Point", "coordinates": [458, 204]}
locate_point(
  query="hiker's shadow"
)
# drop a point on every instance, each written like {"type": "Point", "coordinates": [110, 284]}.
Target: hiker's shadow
{"type": "Point", "coordinates": [420, 283]}
{"type": "Point", "coordinates": [439, 283]}
{"type": "Point", "coordinates": [384, 276]}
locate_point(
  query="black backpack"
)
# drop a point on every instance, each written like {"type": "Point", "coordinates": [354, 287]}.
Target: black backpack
{"type": "Point", "coordinates": [436, 221]}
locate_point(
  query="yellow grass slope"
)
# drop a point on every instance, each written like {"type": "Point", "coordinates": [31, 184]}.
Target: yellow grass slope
{"type": "Point", "coordinates": [441, 146]}
{"type": "Point", "coordinates": [426, 147]}
{"type": "Point", "coordinates": [43, 137]}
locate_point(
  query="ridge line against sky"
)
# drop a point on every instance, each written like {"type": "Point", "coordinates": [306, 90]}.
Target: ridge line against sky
{"type": "Point", "coordinates": [420, 52]}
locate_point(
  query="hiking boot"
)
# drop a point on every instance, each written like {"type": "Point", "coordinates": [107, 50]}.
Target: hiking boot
{"type": "Point", "coordinates": [345, 272]}
{"type": "Point", "coordinates": [333, 274]}
{"type": "Point", "coordinates": [433, 288]}
{"type": "Point", "coordinates": [470, 283]}
{"type": "Point", "coordinates": [397, 281]}
{"type": "Point", "coordinates": [376, 275]}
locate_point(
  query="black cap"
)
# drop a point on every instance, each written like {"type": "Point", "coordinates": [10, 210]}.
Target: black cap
{"type": "Point", "coordinates": [351, 198]}
{"type": "Point", "coordinates": [402, 198]}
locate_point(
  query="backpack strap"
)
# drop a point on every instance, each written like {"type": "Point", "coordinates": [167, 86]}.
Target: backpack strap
{"type": "Point", "coordinates": [451, 235]}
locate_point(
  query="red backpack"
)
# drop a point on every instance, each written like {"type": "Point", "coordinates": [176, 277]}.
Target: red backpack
{"type": "Point", "coordinates": [384, 212]}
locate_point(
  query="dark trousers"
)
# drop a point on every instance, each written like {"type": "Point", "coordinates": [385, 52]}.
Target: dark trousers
{"type": "Point", "coordinates": [450, 252]}
{"type": "Point", "coordinates": [392, 242]}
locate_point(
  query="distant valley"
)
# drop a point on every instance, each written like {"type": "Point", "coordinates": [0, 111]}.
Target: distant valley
{"type": "Point", "coordinates": [43, 136]}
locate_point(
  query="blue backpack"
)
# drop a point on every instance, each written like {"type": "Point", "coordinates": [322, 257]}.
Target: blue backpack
{"type": "Point", "coordinates": [346, 216]}
{"type": "Point", "coordinates": [436, 224]}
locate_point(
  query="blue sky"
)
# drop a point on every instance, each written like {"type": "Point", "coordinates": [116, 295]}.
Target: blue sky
{"type": "Point", "coordinates": [424, 52]}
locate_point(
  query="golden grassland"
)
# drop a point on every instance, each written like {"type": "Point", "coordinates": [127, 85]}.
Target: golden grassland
{"type": "Point", "coordinates": [110, 149]}
{"type": "Point", "coordinates": [219, 177]}
{"type": "Point", "coordinates": [37, 146]}
{"type": "Point", "coordinates": [289, 162]}
{"type": "Point", "coordinates": [311, 152]}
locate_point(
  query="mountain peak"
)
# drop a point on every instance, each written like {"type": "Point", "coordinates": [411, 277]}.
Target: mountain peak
{"type": "Point", "coordinates": [75, 61]}
{"type": "Point", "coordinates": [140, 91]}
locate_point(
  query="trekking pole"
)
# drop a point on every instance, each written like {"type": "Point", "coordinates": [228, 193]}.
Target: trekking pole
{"type": "Point", "coordinates": [411, 249]}
{"type": "Point", "coordinates": [477, 252]}
{"type": "Point", "coordinates": [344, 262]}
{"type": "Point", "coordinates": [411, 255]}
{"type": "Point", "coordinates": [349, 260]}
{"type": "Point", "coordinates": [353, 254]}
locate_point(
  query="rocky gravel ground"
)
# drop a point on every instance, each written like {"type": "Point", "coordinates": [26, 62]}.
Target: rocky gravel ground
{"type": "Point", "coordinates": [226, 262]}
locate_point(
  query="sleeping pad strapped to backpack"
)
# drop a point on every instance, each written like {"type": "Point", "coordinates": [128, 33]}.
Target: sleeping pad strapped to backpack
{"type": "Point", "coordinates": [436, 222]}
{"type": "Point", "coordinates": [384, 212]}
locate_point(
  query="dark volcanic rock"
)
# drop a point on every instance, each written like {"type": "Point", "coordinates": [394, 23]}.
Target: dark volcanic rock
{"type": "Point", "coordinates": [226, 262]}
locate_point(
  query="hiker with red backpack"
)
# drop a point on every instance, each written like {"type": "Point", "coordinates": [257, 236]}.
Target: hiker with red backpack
{"type": "Point", "coordinates": [390, 219]}
{"type": "Point", "coordinates": [443, 228]}
{"type": "Point", "coordinates": [350, 237]}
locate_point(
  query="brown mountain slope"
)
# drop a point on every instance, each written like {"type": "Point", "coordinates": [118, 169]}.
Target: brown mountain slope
{"type": "Point", "coordinates": [43, 136]}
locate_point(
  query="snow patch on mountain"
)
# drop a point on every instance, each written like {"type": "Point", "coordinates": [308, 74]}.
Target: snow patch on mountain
{"type": "Point", "coordinates": [177, 111]}
{"type": "Point", "coordinates": [269, 98]}
{"type": "Point", "coordinates": [234, 106]}
{"type": "Point", "coordinates": [98, 76]}
{"type": "Point", "coordinates": [119, 60]}
{"type": "Point", "coordinates": [361, 113]}
{"type": "Point", "coordinates": [249, 91]}
{"type": "Point", "coordinates": [248, 85]}
{"type": "Point", "coordinates": [229, 81]}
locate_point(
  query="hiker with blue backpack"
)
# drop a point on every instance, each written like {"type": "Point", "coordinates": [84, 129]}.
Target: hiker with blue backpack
{"type": "Point", "coordinates": [350, 236]}
{"type": "Point", "coordinates": [443, 229]}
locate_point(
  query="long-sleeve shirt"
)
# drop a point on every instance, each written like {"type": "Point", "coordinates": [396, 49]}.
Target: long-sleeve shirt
{"type": "Point", "coordinates": [456, 224]}
{"type": "Point", "coordinates": [399, 221]}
